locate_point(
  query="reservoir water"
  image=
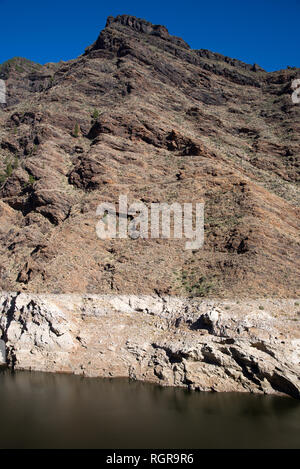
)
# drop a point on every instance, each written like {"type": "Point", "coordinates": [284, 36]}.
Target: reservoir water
{"type": "Point", "coordinates": [39, 410]}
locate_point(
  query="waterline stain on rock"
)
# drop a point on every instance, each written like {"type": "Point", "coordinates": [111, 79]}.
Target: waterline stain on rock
{"type": "Point", "coordinates": [141, 337]}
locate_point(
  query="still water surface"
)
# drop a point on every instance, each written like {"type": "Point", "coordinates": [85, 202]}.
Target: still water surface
{"type": "Point", "coordinates": [39, 410]}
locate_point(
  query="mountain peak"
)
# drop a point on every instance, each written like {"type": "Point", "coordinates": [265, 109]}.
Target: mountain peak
{"type": "Point", "coordinates": [128, 27]}
{"type": "Point", "coordinates": [139, 25]}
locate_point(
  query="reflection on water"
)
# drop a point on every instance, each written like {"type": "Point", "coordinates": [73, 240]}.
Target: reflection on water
{"type": "Point", "coordinates": [39, 410]}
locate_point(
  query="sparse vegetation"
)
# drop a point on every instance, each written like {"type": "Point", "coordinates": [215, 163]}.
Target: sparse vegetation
{"type": "Point", "coordinates": [10, 167]}
{"type": "Point", "coordinates": [31, 180]}
{"type": "Point", "coordinates": [195, 287]}
{"type": "Point", "coordinates": [16, 163]}
{"type": "Point", "coordinates": [95, 114]}
{"type": "Point", "coordinates": [9, 170]}
{"type": "Point", "coordinates": [76, 130]}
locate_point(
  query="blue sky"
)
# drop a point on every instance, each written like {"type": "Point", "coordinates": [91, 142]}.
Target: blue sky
{"type": "Point", "coordinates": [263, 31]}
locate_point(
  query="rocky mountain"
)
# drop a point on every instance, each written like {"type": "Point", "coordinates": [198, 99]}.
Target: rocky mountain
{"type": "Point", "coordinates": [140, 113]}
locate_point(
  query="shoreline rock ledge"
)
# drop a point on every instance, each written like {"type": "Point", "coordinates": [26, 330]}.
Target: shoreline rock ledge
{"type": "Point", "coordinates": [206, 345]}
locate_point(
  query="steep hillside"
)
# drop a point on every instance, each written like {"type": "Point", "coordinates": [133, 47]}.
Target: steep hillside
{"type": "Point", "coordinates": [141, 113]}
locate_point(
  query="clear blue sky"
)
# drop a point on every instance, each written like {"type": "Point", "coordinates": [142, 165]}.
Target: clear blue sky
{"type": "Point", "coordinates": [263, 31]}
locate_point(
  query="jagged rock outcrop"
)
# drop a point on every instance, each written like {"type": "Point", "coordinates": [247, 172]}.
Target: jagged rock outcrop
{"type": "Point", "coordinates": [172, 341]}
{"type": "Point", "coordinates": [138, 25]}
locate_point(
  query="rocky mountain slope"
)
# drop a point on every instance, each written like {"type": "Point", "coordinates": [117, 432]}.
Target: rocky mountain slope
{"type": "Point", "coordinates": [141, 113]}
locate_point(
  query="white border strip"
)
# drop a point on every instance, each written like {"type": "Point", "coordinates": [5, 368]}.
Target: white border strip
{"type": "Point", "coordinates": [2, 92]}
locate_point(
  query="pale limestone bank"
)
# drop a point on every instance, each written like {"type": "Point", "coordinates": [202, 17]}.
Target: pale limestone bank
{"type": "Point", "coordinates": [204, 345]}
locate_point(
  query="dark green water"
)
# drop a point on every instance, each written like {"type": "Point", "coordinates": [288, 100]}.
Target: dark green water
{"type": "Point", "coordinates": [60, 411]}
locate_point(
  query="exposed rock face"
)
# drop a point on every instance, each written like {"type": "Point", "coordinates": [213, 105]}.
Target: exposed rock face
{"type": "Point", "coordinates": [141, 113]}
{"type": "Point", "coordinates": [172, 341]}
